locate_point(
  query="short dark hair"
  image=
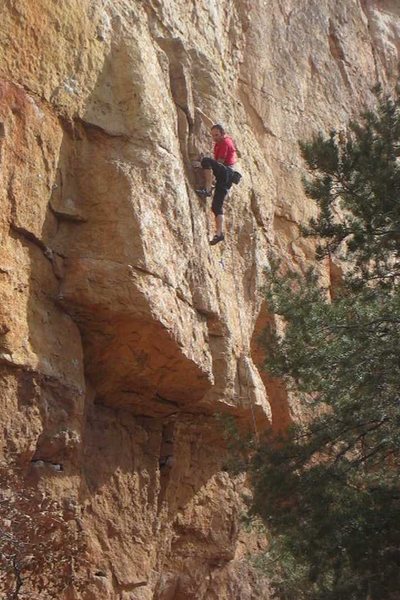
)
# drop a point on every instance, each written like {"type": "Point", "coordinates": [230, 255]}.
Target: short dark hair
{"type": "Point", "coordinates": [219, 127]}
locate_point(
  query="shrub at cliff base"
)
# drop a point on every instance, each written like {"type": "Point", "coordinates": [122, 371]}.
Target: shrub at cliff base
{"type": "Point", "coordinates": [329, 490]}
{"type": "Point", "coordinates": [42, 549]}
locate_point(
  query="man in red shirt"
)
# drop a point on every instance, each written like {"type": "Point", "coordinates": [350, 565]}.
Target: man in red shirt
{"type": "Point", "coordinates": [220, 166]}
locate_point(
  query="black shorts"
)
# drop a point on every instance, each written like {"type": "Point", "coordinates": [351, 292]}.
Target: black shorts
{"type": "Point", "coordinates": [217, 205]}
{"type": "Point", "coordinates": [223, 183]}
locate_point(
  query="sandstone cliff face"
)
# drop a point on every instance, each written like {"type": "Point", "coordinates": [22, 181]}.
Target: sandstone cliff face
{"type": "Point", "coordinates": [122, 332]}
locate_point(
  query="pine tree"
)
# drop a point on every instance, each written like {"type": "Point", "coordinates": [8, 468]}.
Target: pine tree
{"type": "Point", "coordinates": [329, 490]}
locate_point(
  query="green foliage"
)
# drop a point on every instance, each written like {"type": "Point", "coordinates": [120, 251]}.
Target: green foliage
{"type": "Point", "coordinates": [239, 444]}
{"type": "Point", "coordinates": [356, 184]}
{"type": "Point", "coordinates": [42, 550]}
{"type": "Point", "coordinates": [328, 490]}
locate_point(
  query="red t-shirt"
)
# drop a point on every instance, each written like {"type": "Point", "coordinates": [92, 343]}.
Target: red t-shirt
{"type": "Point", "coordinates": [225, 150]}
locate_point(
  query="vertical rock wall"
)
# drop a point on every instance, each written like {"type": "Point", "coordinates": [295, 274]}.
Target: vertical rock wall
{"type": "Point", "coordinates": [122, 333]}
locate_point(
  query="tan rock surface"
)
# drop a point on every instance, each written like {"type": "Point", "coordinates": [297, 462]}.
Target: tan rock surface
{"type": "Point", "coordinates": [122, 332]}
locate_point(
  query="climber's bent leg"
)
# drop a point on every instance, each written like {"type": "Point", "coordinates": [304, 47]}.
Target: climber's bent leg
{"type": "Point", "coordinates": [223, 177]}
{"type": "Point", "coordinates": [217, 205]}
{"type": "Point", "coordinates": [218, 209]}
{"type": "Point", "coordinates": [222, 174]}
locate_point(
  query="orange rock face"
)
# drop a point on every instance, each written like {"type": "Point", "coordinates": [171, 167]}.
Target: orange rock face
{"type": "Point", "coordinates": [122, 332]}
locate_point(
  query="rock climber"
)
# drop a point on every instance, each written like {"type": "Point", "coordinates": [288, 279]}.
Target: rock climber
{"type": "Point", "coordinates": [221, 166]}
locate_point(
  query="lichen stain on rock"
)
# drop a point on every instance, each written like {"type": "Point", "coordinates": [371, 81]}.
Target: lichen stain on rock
{"type": "Point", "coordinates": [122, 333]}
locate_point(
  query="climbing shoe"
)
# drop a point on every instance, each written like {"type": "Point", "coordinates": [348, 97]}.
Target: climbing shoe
{"type": "Point", "coordinates": [203, 193]}
{"type": "Point", "coordinates": [216, 239]}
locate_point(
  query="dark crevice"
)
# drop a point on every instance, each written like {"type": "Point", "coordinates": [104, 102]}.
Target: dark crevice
{"type": "Point", "coordinates": [166, 401]}
{"type": "Point", "coordinates": [127, 587]}
{"type": "Point", "coordinates": [366, 11]}
{"type": "Point", "coordinates": [337, 52]}
{"type": "Point", "coordinates": [48, 253]}
{"type": "Point", "coordinates": [260, 128]}
{"type": "Point", "coordinates": [31, 237]}
{"type": "Point", "coordinates": [60, 215]}
{"type": "Point", "coordinates": [100, 574]}
{"type": "Point", "coordinates": [92, 129]}
{"type": "Point", "coordinates": [58, 467]}
{"type": "Point", "coordinates": [166, 460]}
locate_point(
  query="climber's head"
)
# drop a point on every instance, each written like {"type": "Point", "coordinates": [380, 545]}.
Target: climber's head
{"type": "Point", "coordinates": [217, 133]}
